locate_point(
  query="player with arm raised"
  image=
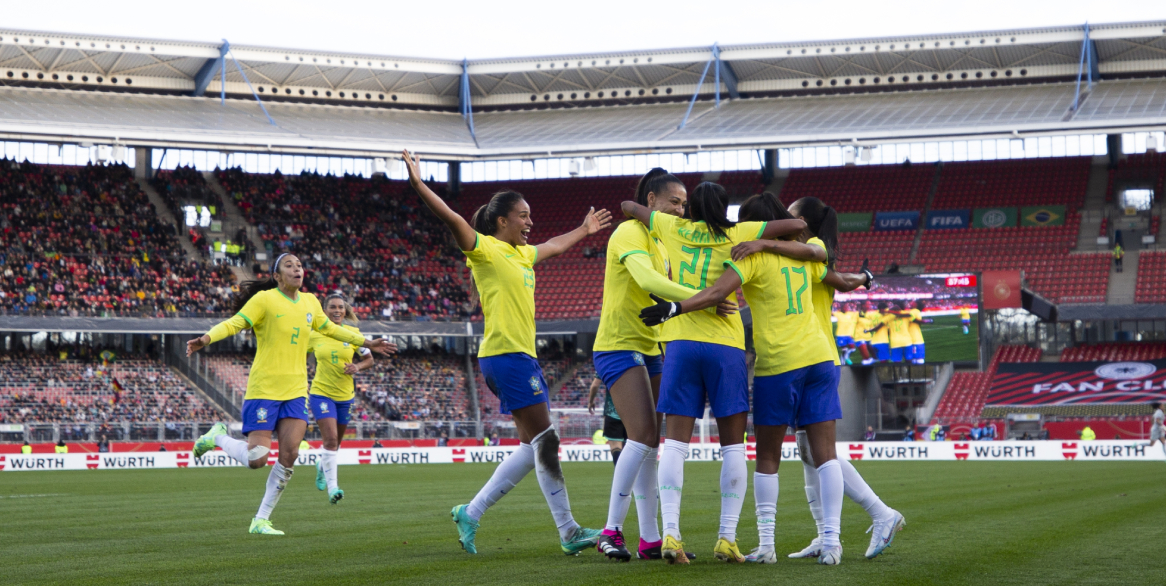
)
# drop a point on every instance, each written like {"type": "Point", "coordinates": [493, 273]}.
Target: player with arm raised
{"type": "Point", "coordinates": [333, 389]}
{"type": "Point", "coordinates": [502, 264]}
{"type": "Point", "coordinates": [705, 358]}
{"type": "Point", "coordinates": [283, 318]}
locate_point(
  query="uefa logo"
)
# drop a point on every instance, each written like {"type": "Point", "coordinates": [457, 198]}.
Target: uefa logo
{"type": "Point", "coordinates": [994, 219]}
{"type": "Point", "coordinates": [1125, 370]}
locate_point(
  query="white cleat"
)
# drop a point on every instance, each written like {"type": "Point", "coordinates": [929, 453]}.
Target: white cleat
{"type": "Point", "coordinates": [830, 556]}
{"type": "Point", "coordinates": [812, 551]}
{"type": "Point", "coordinates": [762, 555]}
{"type": "Point", "coordinates": [883, 533]}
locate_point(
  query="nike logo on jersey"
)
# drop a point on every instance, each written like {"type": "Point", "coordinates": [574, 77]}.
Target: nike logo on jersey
{"type": "Point", "coordinates": [509, 255]}
{"type": "Point", "coordinates": [280, 314]}
{"type": "Point", "coordinates": [556, 492]}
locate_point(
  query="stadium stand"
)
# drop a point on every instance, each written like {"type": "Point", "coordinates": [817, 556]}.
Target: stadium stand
{"type": "Point", "coordinates": [967, 391]}
{"type": "Point", "coordinates": [881, 248]}
{"type": "Point", "coordinates": [1147, 169]}
{"type": "Point", "coordinates": [1020, 182]}
{"type": "Point", "coordinates": [87, 241]}
{"type": "Point", "coordinates": [365, 237]}
{"type": "Point", "coordinates": [1115, 352]}
{"type": "Point", "coordinates": [184, 186]}
{"type": "Point", "coordinates": [862, 189]}
{"type": "Point", "coordinates": [1151, 285]}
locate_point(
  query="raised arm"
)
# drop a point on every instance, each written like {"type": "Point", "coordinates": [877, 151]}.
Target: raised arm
{"type": "Point", "coordinates": [657, 314]}
{"type": "Point", "coordinates": [787, 248]}
{"type": "Point", "coordinates": [780, 228]}
{"type": "Point", "coordinates": [636, 211]}
{"type": "Point", "coordinates": [594, 222]}
{"type": "Point", "coordinates": [846, 282]}
{"type": "Point", "coordinates": [656, 284]}
{"type": "Point", "coordinates": [221, 331]}
{"type": "Point", "coordinates": [463, 233]}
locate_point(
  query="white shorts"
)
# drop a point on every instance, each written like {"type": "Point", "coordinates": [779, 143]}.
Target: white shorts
{"type": "Point", "coordinates": [1156, 432]}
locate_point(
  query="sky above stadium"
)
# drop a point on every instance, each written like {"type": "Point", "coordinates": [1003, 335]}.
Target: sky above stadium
{"type": "Point", "coordinates": [480, 29]}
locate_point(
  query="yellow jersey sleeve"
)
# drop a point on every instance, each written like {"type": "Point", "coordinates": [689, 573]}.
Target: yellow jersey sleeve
{"type": "Point", "coordinates": [322, 324]}
{"type": "Point", "coordinates": [255, 310]}
{"type": "Point", "coordinates": [504, 277]}
{"type": "Point", "coordinates": [630, 250]}
{"type": "Point", "coordinates": [228, 328]}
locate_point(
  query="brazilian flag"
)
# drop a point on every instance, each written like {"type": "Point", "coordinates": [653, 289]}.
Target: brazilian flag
{"type": "Point", "coordinates": [1042, 216]}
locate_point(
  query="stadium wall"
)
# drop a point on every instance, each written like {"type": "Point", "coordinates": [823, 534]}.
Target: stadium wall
{"type": "Point", "coordinates": [866, 451]}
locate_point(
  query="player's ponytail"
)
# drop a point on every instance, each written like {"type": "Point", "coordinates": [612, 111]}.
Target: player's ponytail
{"type": "Point", "coordinates": [763, 207]}
{"type": "Point", "coordinates": [822, 221]}
{"type": "Point", "coordinates": [709, 203]}
{"type": "Point", "coordinates": [654, 181]}
{"type": "Point", "coordinates": [485, 220]}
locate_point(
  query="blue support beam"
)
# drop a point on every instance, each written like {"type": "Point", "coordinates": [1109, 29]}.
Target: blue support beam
{"type": "Point", "coordinates": [202, 79]}
{"type": "Point", "coordinates": [726, 74]}
{"type": "Point", "coordinates": [1088, 67]}
{"type": "Point", "coordinates": [464, 106]}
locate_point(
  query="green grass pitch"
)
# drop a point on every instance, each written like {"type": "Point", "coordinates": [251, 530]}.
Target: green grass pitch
{"type": "Point", "coordinates": [945, 340]}
{"type": "Point", "coordinates": [967, 523]}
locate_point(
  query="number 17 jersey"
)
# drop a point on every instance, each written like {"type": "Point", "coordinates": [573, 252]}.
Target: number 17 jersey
{"type": "Point", "coordinates": [697, 258]}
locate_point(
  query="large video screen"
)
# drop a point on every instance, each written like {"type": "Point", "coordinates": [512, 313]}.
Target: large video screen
{"type": "Point", "coordinates": [910, 319]}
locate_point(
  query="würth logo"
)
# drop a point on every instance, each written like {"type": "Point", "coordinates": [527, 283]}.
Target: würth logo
{"type": "Point", "coordinates": [92, 462]}
{"type": "Point", "coordinates": [3, 459]}
{"type": "Point", "coordinates": [855, 451]}
{"type": "Point", "coordinates": [364, 456]}
{"type": "Point", "coordinates": [459, 455]}
{"type": "Point", "coordinates": [751, 451]}
{"type": "Point", "coordinates": [183, 460]}
{"type": "Point", "coordinates": [961, 451]}
{"type": "Point", "coordinates": [1069, 450]}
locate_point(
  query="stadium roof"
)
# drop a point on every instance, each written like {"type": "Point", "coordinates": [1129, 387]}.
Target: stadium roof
{"type": "Point", "coordinates": [78, 88]}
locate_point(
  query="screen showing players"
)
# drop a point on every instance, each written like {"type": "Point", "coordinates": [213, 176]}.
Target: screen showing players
{"type": "Point", "coordinates": [910, 319]}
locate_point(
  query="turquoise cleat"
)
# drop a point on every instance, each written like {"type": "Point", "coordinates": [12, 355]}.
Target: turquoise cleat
{"type": "Point", "coordinates": [583, 539]}
{"type": "Point", "coordinates": [467, 528]}
{"type": "Point", "coordinates": [321, 482]}
{"type": "Point", "coordinates": [334, 496]}
{"type": "Point", "coordinates": [206, 442]}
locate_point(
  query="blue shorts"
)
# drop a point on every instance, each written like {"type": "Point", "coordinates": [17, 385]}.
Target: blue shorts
{"type": "Point", "coordinates": [262, 414]}
{"type": "Point", "coordinates": [917, 352]}
{"type": "Point", "coordinates": [844, 341]}
{"type": "Point", "coordinates": [966, 322]}
{"type": "Point", "coordinates": [611, 365]}
{"type": "Point", "coordinates": [516, 379]}
{"type": "Point", "coordinates": [882, 351]}
{"type": "Point", "coordinates": [799, 397]}
{"type": "Point", "coordinates": [327, 408]}
{"type": "Point", "coordinates": [696, 370]}
{"type": "Point", "coordinates": [898, 354]}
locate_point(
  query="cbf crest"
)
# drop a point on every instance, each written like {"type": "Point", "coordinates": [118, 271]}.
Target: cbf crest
{"type": "Point", "coordinates": [261, 415]}
{"type": "Point", "coordinates": [309, 318]}
{"type": "Point", "coordinates": [534, 385]}
{"type": "Point", "coordinates": [323, 406]}
{"type": "Point", "coordinates": [638, 358]}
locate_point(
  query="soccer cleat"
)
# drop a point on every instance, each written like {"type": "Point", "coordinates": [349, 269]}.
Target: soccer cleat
{"type": "Point", "coordinates": [830, 556]}
{"type": "Point", "coordinates": [582, 539]}
{"type": "Point", "coordinates": [263, 527]}
{"type": "Point", "coordinates": [467, 528]}
{"type": "Point", "coordinates": [762, 555]}
{"type": "Point", "coordinates": [727, 551]}
{"type": "Point", "coordinates": [883, 533]}
{"type": "Point", "coordinates": [813, 550]}
{"type": "Point", "coordinates": [651, 550]}
{"type": "Point", "coordinates": [321, 481]}
{"type": "Point", "coordinates": [335, 495]}
{"type": "Point", "coordinates": [673, 551]}
{"type": "Point", "coordinates": [206, 442]}
{"type": "Point", "coordinates": [612, 545]}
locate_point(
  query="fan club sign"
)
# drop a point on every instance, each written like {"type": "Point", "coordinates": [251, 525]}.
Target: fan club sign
{"type": "Point", "coordinates": [1078, 383]}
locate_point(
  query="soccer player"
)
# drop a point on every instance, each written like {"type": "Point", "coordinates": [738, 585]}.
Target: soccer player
{"type": "Point", "coordinates": [627, 358]}
{"type": "Point", "coordinates": [879, 331]}
{"type": "Point", "coordinates": [705, 358]}
{"type": "Point", "coordinates": [900, 334]}
{"type": "Point", "coordinates": [333, 390]}
{"type": "Point", "coordinates": [502, 265]}
{"type": "Point", "coordinates": [917, 353]}
{"type": "Point", "coordinates": [283, 318]}
{"type": "Point", "coordinates": [965, 318]}
{"type": "Point", "coordinates": [1158, 428]}
{"type": "Point", "coordinates": [844, 336]}
{"type": "Point", "coordinates": [862, 336]}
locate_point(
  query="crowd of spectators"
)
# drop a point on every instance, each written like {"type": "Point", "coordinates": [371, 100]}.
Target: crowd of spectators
{"type": "Point", "coordinates": [86, 241]}
{"type": "Point", "coordinates": [183, 187]}
{"type": "Point", "coordinates": [370, 238]}
{"type": "Point", "coordinates": [416, 385]}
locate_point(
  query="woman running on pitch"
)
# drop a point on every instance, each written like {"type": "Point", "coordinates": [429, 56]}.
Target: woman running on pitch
{"type": "Point", "coordinates": [705, 358]}
{"type": "Point", "coordinates": [628, 361]}
{"type": "Point", "coordinates": [283, 318]}
{"type": "Point", "coordinates": [822, 492]}
{"type": "Point", "coordinates": [333, 389]}
{"type": "Point", "coordinates": [502, 264]}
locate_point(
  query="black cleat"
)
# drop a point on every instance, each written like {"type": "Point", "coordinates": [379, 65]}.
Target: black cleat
{"type": "Point", "coordinates": [613, 547]}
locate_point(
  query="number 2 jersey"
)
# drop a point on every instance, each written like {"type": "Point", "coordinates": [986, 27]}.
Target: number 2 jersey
{"type": "Point", "coordinates": [282, 329]}
{"type": "Point", "coordinates": [697, 258]}
{"type": "Point", "coordinates": [331, 358]}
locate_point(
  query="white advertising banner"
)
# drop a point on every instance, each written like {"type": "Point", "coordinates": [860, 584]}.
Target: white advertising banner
{"type": "Point", "coordinates": [865, 451]}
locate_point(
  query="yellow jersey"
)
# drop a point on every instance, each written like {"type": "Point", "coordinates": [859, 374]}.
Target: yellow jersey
{"type": "Point", "coordinates": [620, 327]}
{"type": "Point", "coordinates": [823, 295]}
{"type": "Point", "coordinates": [331, 357]}
{"type": "Point", "coordinates": [504, 276]}
{"type": "Point", "coordinates": [881, 335]}
{"type": "Point", "coordinates": [786, 332]}
{"type": "Point", "coordinates": [965, 314]}
{"type": "Point", "coordinates": [914, 328]}
{"type": "Point", "coordinates": [863, 323]}
{"type": "Point", "coordinates": [700, 257]}
{"type": "Point", "coordinates": [846, 323]}
{"type": "Point", "coordinates": [900, 336]}
{"type": "Point", "coordinates": [282, 329]}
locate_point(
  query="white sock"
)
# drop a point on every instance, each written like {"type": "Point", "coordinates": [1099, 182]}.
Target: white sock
{"type": "Point", "coordinates": [550, 480]}
{"type": "Point", "coordinates": [765, 491]}
{"type": "Point", "coordinates": [734, 484]}
{"type": "Point", "coordinates": [671, 478]}
{"type": "Point", "coordinates": [276, 481]}
{"type": "Point", "coordinates": [830, 490]}
{"type": "Point", "coordinates": [860, 492]}
{"type": "Point", "coordinates": [631, 460]}
{"type": "Point", "coordinates": [328, 463]}
{"type": "Point", "coordinates": [508, 474]}
{"type": "Point", "coordinates": [234, 448]}
{"type": "Point", "coordinates": [647, 493]}
{"type": "Point", "coordinates": [813, 499]}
